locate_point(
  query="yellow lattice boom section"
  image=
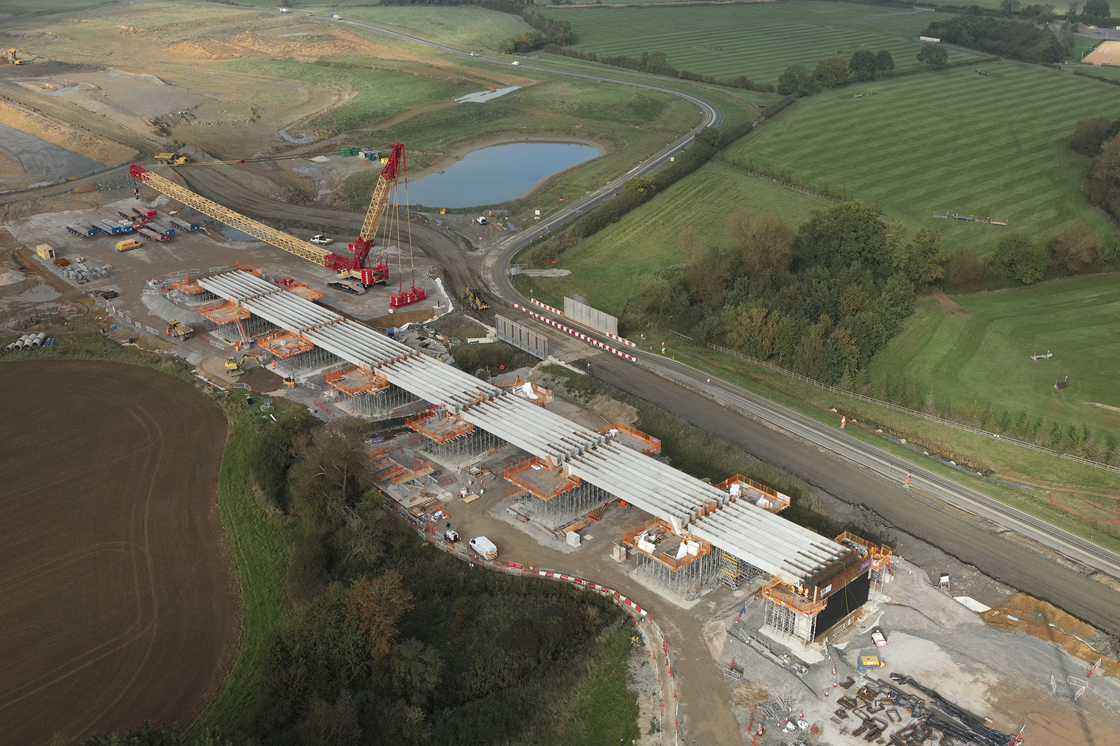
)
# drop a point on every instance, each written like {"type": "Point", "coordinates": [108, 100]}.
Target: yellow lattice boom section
{"type": "Point", "coordinates": [376, 209]}
{"type": "Point", "coordinates": [257, 230]}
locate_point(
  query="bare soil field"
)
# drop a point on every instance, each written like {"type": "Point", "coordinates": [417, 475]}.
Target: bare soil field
{"type": "Point", "coordinates": [120, 599]}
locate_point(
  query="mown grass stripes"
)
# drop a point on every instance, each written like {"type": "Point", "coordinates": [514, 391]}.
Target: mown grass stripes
{"type": "Point", "coordinates": [950, 141]}
{"type": "Point", "coordinates": [758, 41]}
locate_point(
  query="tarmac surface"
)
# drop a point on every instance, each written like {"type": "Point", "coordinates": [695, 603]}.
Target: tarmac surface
{"type": "Point", "coordinates": [120, 601]}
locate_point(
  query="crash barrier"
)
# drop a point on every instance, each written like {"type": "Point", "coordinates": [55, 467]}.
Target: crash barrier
{"type": "Point", "coordinates": [574, 333]}
{"type": "Point", "coordinates": [650, 632]}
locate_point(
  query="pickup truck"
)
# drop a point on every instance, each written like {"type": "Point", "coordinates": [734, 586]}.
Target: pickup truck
{"type": "Point", "coordinates": [321, 240]}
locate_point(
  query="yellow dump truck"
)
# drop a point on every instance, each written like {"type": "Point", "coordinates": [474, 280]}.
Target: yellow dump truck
{"type": "Point", "coordinates": [172, 158]}
{"type": "Point", "coordinates": [128, 245]}
{"type": "Point", "coordinates": [45, 251]}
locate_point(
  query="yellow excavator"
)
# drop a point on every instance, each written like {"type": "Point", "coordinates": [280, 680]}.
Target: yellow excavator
{"type": "Point", "coordinates": [233, 368]}
{"type": "Point", "coordinates": [11, 58]}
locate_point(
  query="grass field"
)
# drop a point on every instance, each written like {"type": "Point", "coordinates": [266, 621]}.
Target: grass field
{"type": "Point", "coordinates": [625, 254]}
{"type": "Point", "coordinates": [382, 93]}
{"type": "Point", "coordinates": [27, 8]}
{"type": "Point", "coordinates": [759, 41]}
{"type": "Point", "coordinates": [983, 355]}
{"type": "Point", "coordinates": [468, 26]}
{"type": "Point", "coordinates": [956, 142]}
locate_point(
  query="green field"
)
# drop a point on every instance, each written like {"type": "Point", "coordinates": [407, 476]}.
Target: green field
{"type": "Point", "coordinates": [983, 355]}
{"type": "Point", "coordinates": [759, 41]}
{"type": "Point", "coordinates": [28, 8]}
{"type": "Point", "coordinates": [948, 142]}
{"type": "Point", "coordinates": [385, 90]}
{"type": "Point", "coordinates": [625, 254]}
{"type": "Point", "coordinates": [468, 26]}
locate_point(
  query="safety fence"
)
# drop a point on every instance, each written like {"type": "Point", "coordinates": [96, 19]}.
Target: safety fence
{"type": "Point", "coordinates": [646, 626]}
{"type": "Point", "coordinates": [914, 412]}
{"type": "Point", "coordinates": [574, 333]}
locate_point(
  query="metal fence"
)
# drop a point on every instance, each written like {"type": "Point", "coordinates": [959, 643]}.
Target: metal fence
{"type": "Point", "coordinates": [916, 413]}
{"type": "Point", "coordinates": [521, 337]}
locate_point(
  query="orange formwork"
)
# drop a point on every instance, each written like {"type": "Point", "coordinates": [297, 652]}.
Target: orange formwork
{"type": "Point", "coordinates": [295, 287]}
{"type": "Point", "coordinates": [386, 468]}
{"type": "Point", "coordinates": [284, 344]}
{"type": "Point", "coordinates": [536, 478]}
{"type": "Point", "coordinates": [354, 380]}
{"type": "Point", "coordinates": [757, 494]}
{"type": "Point", "coordinates": [439, 426]}
{"type": "Point", "coordinates": [655, 538]}
{"type": "Point", "coordinates": [632, 438]}
{"type": "Point", "coordinates": [227, 313]}
{"type": "Point", "coordinates": [187, 285]}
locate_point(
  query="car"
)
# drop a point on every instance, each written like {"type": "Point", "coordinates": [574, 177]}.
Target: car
{"type": "Point", "coordinates": [322, 240]}
{"type": "Point", "coordinates": [110, 294]}
{"type": "Point", "coordinates": [878, 638]}
{"type": "Point", "coordinates": [474, 54]}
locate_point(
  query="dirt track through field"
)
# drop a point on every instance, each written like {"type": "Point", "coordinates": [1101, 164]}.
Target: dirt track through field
{"type": "Point", "coordinates": [120, 603]}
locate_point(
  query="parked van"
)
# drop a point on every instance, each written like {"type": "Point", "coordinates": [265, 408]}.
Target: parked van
{"type": "Point", "coordinates": [484, 547]}
{"type": "Point", "coordinates": [131, 243]}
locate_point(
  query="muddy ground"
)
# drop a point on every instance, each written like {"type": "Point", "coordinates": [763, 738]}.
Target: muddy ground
{"type": "Point", "coordinates": [120, 599]}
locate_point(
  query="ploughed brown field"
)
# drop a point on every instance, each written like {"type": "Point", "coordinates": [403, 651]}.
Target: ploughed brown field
{"type": "Point", "coordinates": [118, 599]}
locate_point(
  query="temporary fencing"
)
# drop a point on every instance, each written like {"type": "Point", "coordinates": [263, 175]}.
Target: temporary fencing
{"type": "Point", "coordinates": [643, 622]}
{"type": "Point", "coordinates": [574, 333]}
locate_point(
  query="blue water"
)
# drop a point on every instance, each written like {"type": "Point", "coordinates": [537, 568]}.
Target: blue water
{"type": "Point", "coordinates": [494, 175]}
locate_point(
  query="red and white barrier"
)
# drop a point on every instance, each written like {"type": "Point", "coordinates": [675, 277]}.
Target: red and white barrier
{"type": "Point", "coordinates": [547, 307]}
{"type": "Point", "coordinates": [574, 333]}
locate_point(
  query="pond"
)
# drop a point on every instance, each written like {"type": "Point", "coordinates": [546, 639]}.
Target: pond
{"type": "Point", "coordinates": [496, 174]}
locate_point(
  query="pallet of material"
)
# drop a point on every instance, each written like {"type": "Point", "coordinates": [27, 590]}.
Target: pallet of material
{"type": "Point", "coordinates": [470, 498]}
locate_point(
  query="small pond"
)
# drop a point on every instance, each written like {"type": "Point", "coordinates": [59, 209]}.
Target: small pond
{"type": "Point", "coordinates": [496, 174]}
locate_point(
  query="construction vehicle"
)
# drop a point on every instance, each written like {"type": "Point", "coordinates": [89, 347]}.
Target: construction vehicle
{"type": "Point", "coordinates": [233, 368]}
{"type": "Point", "coordinates": [172, 159]}
{"type": "Point", "coordinates": [11, 58]}
{"type": "Point", "coordinates": [179, 331]}
{"type": "Point", "coordinates": [254, 357]}
{"type": "Point", "coordinates": [355, 273]}
{"type": "Point", "coordinates": [474, 297]}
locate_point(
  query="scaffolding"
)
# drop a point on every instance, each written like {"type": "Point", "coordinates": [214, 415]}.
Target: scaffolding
{"type": "Point", "coordinates": [305, 363]}
{"type": "Point", "coordinates": [553, 497]}
{"type": "Point", "coordinates": [880, 557]}
{"type": "Point", "coordinates": [632, 438]}
{"type": "Point", "coordinates": [786, 621]}
{"type": "Point", "coordinates": [451, 438]}
{"type": "Point", "coordinates": [374, 405]}
{"type": "Point", "coordinates": [679, 563]}
{"type": "Point", "coordinates": [741, 488]}
{"type": "Point", "coordinates": [735, 572]}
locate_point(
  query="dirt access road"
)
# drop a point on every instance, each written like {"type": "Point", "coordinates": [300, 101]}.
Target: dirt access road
{"type": "Point", "coordinates": [120, 599]}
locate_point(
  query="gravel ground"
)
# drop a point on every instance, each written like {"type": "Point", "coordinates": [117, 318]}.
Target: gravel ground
{"type": "Point", "coordinates": [40, 161]}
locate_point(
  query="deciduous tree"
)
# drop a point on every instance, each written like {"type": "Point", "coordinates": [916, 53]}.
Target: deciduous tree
{"type": "Point", "coordinates": [378, 605]}
{"type": "Point", "coordinates": [927, 260]}
{"type": "Point", "coordinates": [1075, 248]}
{"type": "Point", "coordinates": [1018, 257]}
{"type": "Point", "coordinates": [885, 62]}
{"type": "Point", "coordinates": [832, 71]}
{"type": "Point", "coordinates": [933, 56]}
{"type": "Point", "coordinates": [763, 241]}
{"type": "Point", "coordinates": [864, 65]}
{"type": "Point", "coordinates": [796, 79]}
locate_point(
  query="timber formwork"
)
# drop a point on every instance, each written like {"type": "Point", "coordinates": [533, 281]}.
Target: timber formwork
{"type": "Point", "coordinates": [632, 438]}
{"type": "Point", "coordinates": [741, 488]}
{"type": "Point", "coordinates": [679, 563]}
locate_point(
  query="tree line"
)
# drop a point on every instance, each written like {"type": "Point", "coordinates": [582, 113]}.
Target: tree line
{"type": "Point", "coordinates": [657, 64]}
{"type": "Point", "coordinates": [1011, 39]}
{"type": "Point", "coordinates": [1099, 138]}
{"type": "Point", "coordinates": [391, 641]}
{"type": "Point", "coordinates": [833, 71]}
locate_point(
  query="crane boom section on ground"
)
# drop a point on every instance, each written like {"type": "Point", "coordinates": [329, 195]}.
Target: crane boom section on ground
{"type": "Point", "coordinates": [229, 217]}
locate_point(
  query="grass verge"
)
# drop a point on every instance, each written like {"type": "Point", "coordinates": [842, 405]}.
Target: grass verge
{"type": "Point", "coordinates": [1074, 487]}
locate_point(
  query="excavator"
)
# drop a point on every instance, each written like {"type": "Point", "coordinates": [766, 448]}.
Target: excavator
{"type": "Point", "coordinates": [11, 57]}
{"type": "Point", "coordinates": [354, 273]}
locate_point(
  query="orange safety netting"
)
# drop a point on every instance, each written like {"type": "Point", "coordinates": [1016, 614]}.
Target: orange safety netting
{"type": "Point", "coordinates": [439, 426]}
{"type": "Point", "coordinates": [227, 313]}
{"type": "Point", "coordinates": [654, 536]}
{"type": "Point", "coordinates": [354, 380]}
{"type": "Point", "coordinates": [285, 344]}
{"type": "Point", "coordinates": [633, 438]}
{"type": "Point", "coordinates": [758, 494]}
{"type": "Point", "coordinates": [537, 478]}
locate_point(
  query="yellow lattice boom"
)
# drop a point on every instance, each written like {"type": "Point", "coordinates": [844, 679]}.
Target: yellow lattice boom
{"type": "Point", "coordinates": [281, 240]}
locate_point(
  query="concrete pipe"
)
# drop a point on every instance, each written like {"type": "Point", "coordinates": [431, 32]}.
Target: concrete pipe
{"type": "Point", "coordinates": [23, 342]}
{"type": "Point", "coordinates": [11, 346]}
{"type": "Point", "coordinates": [38, 339]}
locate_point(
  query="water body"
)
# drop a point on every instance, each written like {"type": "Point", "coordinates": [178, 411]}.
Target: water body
{"type": "Point", "coordinates": [297, 140]}
{"type": "Point", "coordinates": [496, 174]}
{"type": "Point", "coordinates": [484, 96]}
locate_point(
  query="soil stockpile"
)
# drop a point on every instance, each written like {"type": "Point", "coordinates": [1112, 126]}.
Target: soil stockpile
{"type": "Point", "coordinates": [120, 603]}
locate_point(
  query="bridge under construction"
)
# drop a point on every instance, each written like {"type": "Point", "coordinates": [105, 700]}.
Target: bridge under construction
{"type": "Point", "coordinates": [731, 531]}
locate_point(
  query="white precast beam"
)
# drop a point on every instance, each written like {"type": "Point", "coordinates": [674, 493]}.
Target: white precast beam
{"type": "Point", "coordinates": [599, 468]}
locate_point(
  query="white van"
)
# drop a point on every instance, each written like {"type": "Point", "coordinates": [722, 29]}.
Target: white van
{"type": "Point", "coordinates": [484, 547]}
